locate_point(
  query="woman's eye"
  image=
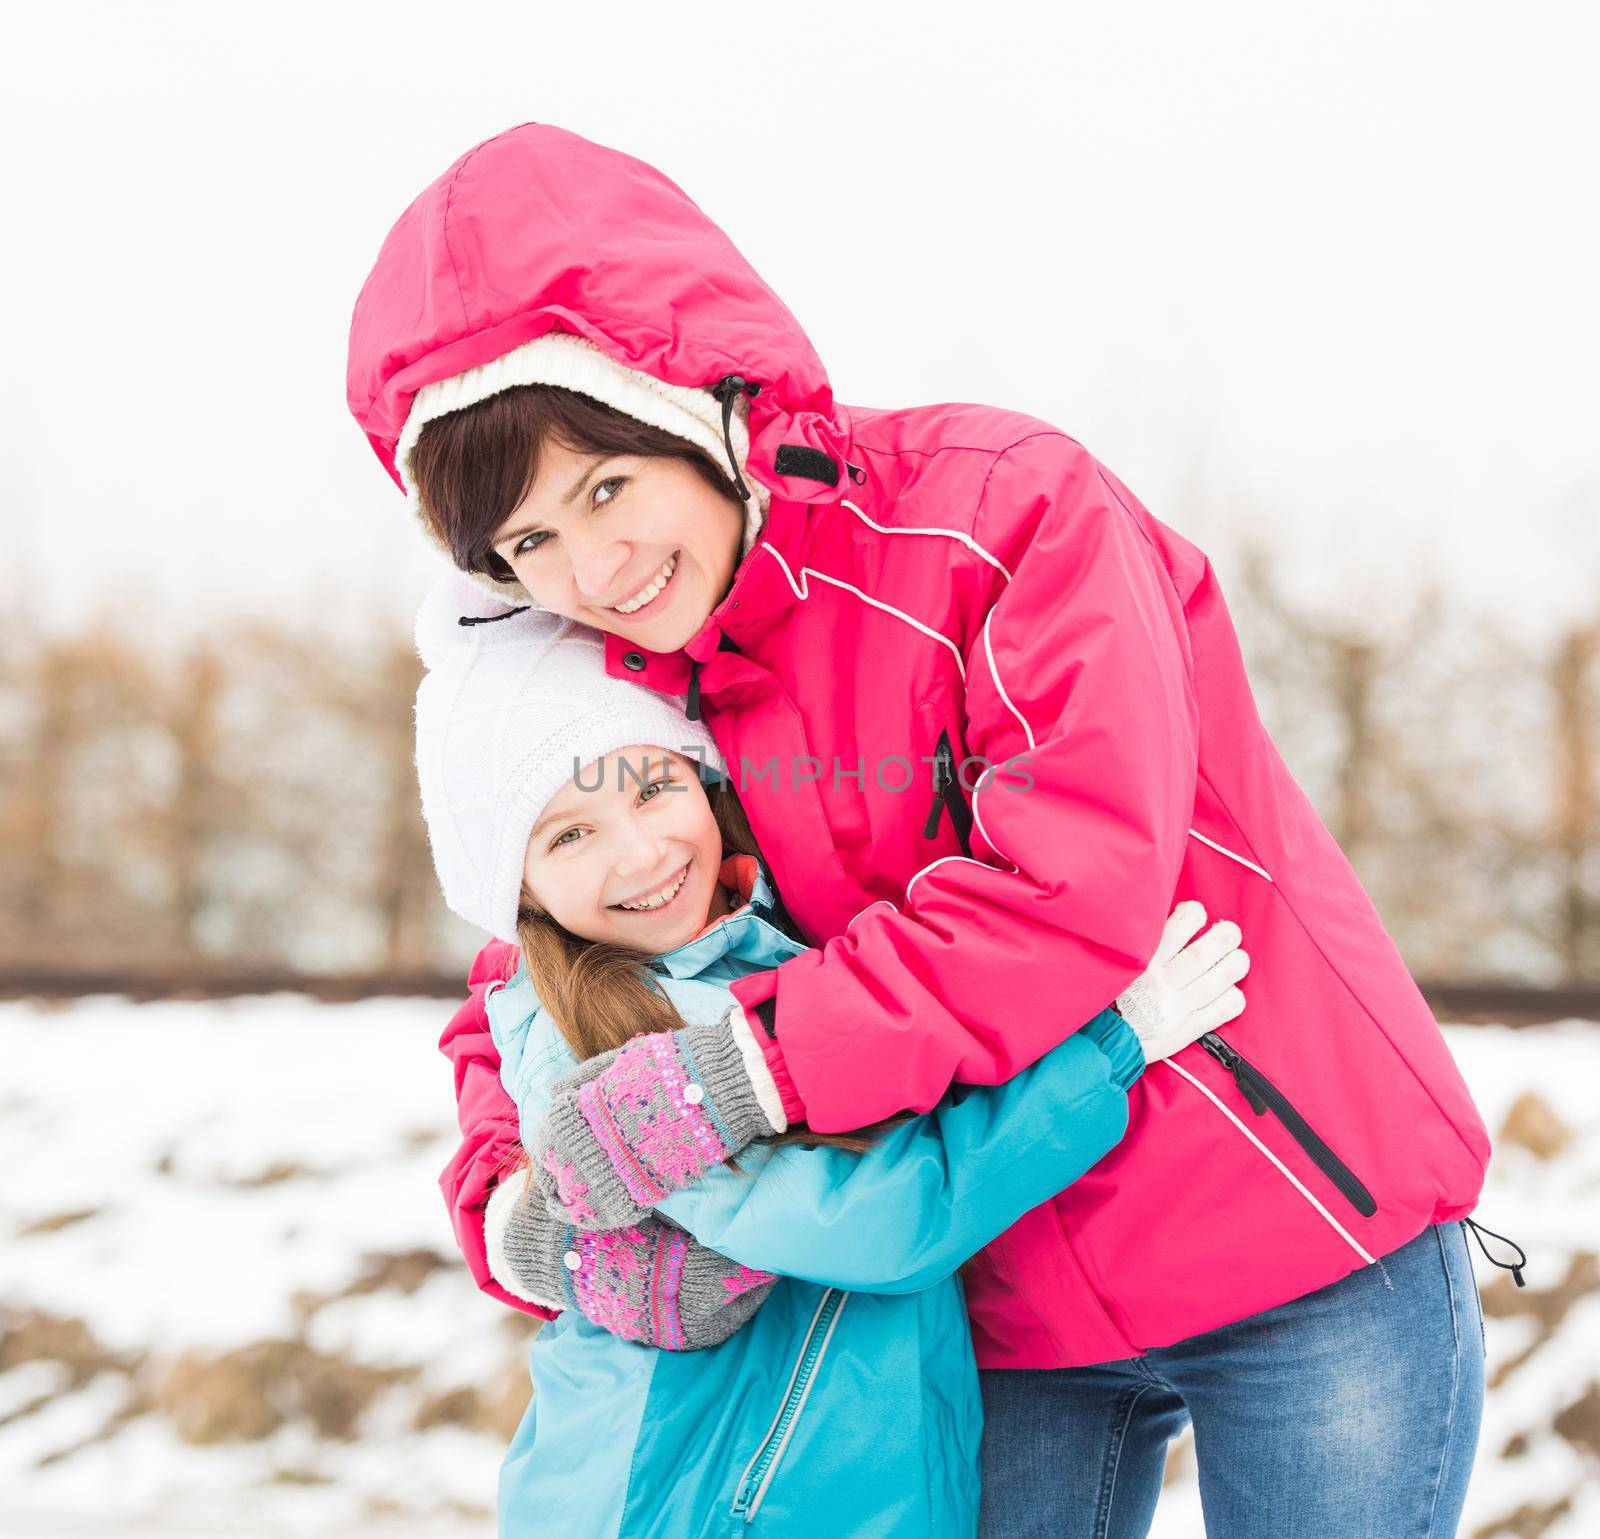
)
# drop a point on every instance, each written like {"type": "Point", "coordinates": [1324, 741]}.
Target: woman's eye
{"type": "Point", "coordinates": [541, 537]}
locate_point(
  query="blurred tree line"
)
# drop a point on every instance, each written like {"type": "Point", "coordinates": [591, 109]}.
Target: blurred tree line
{"type": "Point", "coordinates": [253, 800]}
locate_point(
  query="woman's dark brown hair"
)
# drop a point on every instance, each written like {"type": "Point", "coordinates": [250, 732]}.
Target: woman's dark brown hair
{"type": "Point", "coordinates": [473, 467]}
{"type": "Point", "coordinates": [599, 995]}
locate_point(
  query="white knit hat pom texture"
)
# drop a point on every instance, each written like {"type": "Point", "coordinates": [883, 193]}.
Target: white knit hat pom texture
{"type": "Point", "coordinates": [507, 713]}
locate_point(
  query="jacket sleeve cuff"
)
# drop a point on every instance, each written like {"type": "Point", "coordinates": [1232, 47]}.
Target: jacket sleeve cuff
{"type": "Point", "coordinates": [757, 998]}
{"type": "Point", "coordinates": [768, 1096]}
{"type": "Point", "coordinates": [1117, 1040]}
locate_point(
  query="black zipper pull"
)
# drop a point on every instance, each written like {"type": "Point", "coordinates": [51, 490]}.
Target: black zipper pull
{"type": "Point", "coordinates": [691, 706]}
{"type": "Point", "coordinates": [947, 795]}
{"type": "Point", "coordinates": [943, 775]}
{"type": "Point", "coordinates": [1513, 1267]}
{"type": "Point", "coordinates": [1243, 1078]}
{"type": "Point", "coordinates": [1238, 1068]}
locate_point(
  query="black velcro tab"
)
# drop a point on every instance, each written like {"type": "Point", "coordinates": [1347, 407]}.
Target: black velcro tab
{"type": "Point", "coordinates": [802, 460]}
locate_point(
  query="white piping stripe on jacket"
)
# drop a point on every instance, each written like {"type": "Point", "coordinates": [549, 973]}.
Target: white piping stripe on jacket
{"type": "Point", "coordinates": [1288, 1174]}
{"type": "Point", "coordinates": [1229, 853]}
{"type": "Point", "coordinates": [977, 817]}
{"type": "Point", "coordinates": [801, 591]}
{"type": "Point", "coordinates": [874, 904]}
{"type": "Point", "coordinates": [994, 673]}
{"type": "Point", "coordinates": [949, 534]}
{"type": "Point", "coordinates": [943, 860]}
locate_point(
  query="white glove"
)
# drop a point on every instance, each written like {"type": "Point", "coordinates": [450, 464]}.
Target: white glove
{"type": "Point", "coordinates": [1187, 990]}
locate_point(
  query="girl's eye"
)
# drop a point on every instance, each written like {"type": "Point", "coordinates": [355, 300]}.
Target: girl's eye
{"type": "Point", "coordinates": [616, 481]}
{"type": "Point", "coordinates": [655, 788]}
{"type": "Point", "coordinates": [561, 838]}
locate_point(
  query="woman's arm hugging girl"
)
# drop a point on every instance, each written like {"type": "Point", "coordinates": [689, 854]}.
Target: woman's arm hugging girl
{"type": "Point", "coordinates": [636, 900]}
{"type": "Point", "coordinates": [1079, 668]}
{"type": "Point", "coordinates": [626, 1131]}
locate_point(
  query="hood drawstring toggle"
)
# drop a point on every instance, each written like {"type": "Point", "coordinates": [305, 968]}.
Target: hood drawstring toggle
{"type": "Point", "coordinates": [725, 390]}
{"type": "Point", "coordinates": [510, 614]}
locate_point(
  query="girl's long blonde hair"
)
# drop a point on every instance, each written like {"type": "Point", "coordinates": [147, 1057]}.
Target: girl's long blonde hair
{"type": "Point", "coordinates": [601, 995]}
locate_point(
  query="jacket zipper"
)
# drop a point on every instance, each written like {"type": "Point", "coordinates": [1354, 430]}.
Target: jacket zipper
{"type": "Point", "coordinates": [1264, 1097]}
{"type": "Point", "coordinates": [758, 1473]}
{"type": "Point", "coordinates": [947, 796]}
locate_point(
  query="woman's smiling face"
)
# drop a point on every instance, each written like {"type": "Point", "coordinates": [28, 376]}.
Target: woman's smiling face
{"type": "Point", "coordinates": [638, 545]}
{"type": "Point", "coordinates": [628, 851]}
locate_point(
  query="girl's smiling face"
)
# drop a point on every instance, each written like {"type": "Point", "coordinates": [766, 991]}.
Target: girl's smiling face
{"type": "Point", "coordinates": [628, 851]}
{"type": "Point", "coordinates": [638, 545]}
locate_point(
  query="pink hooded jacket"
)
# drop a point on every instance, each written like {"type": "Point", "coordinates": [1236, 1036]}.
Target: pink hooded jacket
{"type": "Point", "coordinates": [993, 723]}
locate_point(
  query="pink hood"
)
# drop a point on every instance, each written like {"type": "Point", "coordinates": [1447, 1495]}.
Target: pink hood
{"type": "Point", "coordinates": [584, 239]}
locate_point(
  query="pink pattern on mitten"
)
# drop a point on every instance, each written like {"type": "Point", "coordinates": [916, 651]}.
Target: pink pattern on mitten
{"type": "Point", "coordinates": [656, 1138]}
{"type": "Point", "coordinates": [748, 1277]}
{"type": "Point", "coordinates": [570, 1191]}
{"type": "Point", "coordinates": [609, 1262]}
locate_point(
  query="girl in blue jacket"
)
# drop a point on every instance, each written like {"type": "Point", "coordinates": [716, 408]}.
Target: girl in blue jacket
{"type": "Point", "coordinates": [833, 1391]}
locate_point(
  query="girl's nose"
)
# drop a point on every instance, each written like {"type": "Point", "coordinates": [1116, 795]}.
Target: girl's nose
{"type": "Point", "coordinates": [637, 851]}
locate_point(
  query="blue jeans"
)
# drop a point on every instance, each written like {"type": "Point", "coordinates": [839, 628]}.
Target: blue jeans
{"type": "Point", "coordinates": [1353, 1411]}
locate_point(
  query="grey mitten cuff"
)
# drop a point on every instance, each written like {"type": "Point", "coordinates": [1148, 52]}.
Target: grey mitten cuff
{"type": "Point", "coordinates": [655, 1115]}
{"type": "Point", "coordinates": [651, 1282]}
{"type": "Point", "coordinates": [525, 1244]}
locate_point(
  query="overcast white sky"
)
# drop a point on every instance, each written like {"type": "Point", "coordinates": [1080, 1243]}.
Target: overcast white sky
{"type": "Point", "coordinates": [1321, 271]}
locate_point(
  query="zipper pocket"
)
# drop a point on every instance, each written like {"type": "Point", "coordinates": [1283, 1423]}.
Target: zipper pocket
{"type": "Point", "coordinates": [947, 796]}
{"type": "Point", "coordinates": [763, 1465]}
{"type": "Point", "coordinates": [1264, 1097]}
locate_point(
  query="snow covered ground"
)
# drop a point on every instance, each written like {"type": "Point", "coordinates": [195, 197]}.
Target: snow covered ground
{"type": "Point", "coordinates": [232, 1306]}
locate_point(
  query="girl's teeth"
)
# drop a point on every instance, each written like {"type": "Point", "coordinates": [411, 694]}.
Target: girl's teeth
{"type": "Point", "coordinates": [644, 597]}
{"type": "Point", "coordinates": [665, 897]}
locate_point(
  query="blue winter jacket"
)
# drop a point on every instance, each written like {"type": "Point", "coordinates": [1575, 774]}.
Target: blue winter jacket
{"type": "Point", "coordinates": [849, 1404]}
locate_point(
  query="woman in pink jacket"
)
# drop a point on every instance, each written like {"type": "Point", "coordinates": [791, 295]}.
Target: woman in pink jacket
{"type": "Point", "coordinates": [989, 721]}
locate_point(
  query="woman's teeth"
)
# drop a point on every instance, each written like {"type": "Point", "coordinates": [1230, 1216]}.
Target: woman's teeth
{"type": "Point", "coordinates": [662, 898]}
{"type": "Point", "coordinates": [648, 592]}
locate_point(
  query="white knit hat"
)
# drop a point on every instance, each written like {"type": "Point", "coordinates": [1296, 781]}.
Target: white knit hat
{"type": "Point", "coordinates": [507, 713]}
{"type": "Point", "coordinates": [559, 358]}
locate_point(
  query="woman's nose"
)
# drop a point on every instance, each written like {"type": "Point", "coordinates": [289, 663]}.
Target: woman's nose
{"type": "Point", "coordinates": [596, 566]}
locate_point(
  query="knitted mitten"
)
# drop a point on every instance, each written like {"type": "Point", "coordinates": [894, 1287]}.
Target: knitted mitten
{"type": "Point", "coordinates": [646, 1119]}
{"type": "Point", "coordinates": [649, 1282]}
